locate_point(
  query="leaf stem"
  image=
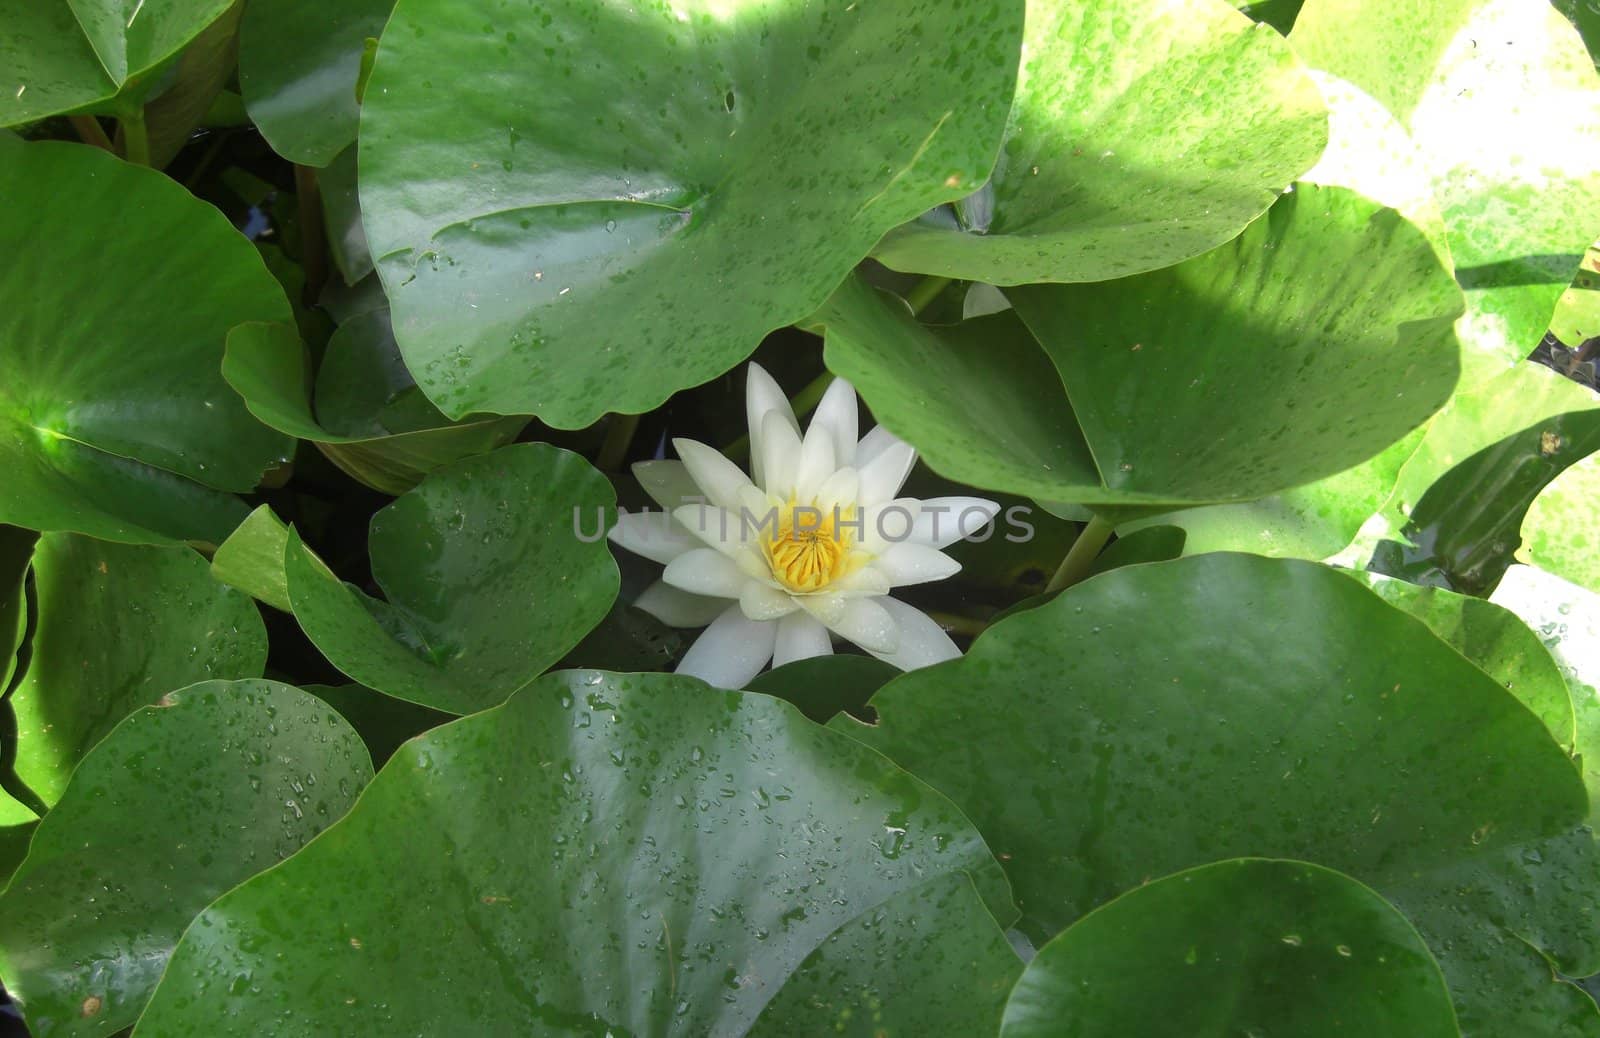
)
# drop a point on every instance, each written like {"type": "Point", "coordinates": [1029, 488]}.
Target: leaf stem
{"type": "Point", "coordinates": [925, 292]}
{"type": "Point", "coordinates": [619, 436]}
{"type": "Point", "coordinates": [803, 402]}
{"type": "Point", "coordinates": [313, 238]}
{"type": "Point", "coordinates": [1080, 557]}
{"type": "Point", "coordinates": [135, 137]}
{"type": "Point", "coordinates": [91, 132]}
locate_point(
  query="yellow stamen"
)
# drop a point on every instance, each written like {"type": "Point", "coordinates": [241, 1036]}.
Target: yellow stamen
{"type": "Point", "coordinates": [811, 548]}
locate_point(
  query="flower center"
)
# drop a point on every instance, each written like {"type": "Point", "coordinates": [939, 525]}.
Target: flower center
{"type": "Point", "coordinates": [810, 548]}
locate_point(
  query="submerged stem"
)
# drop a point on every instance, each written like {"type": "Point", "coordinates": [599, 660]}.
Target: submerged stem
{"type": "Point", "coordinates": [91, 132]}
{"type": "Point", "coordinates": [1080, 557]}
{"type": "Point", "coordinates": [619, 436]}
{"type": "Point", "coordinates": [135, 137]}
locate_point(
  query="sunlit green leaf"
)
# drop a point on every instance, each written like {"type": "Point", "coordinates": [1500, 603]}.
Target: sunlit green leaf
{"type": "Point", "coordinates": [618, 203]}
{"type": "Point", "coordinates": [180, 802]}
{"type": "Point", "coordinates": [633, 853]}
{"type": "Point", "coordinates": [251, 559]}
{"type": "Point", "coordinates": [1559, 531]}
{"type": "Point", "coordinates": [1141, 135]}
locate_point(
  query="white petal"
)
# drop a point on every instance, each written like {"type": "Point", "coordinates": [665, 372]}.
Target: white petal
{"type": "Point", "coordinates": [908, 563]}
{"type": "Point", "coordinates": [816, 463]}
{"type": "Point", "coordinates": [885, 474]}
{"type": "Point", "coordinates": [780, 455]}
{"type": "Point", "coordinates": [761, 395]}
{"type": "Point", "coordinates": [718, 527]}
{"type": "Point", "coordinates": [868, 624]}
{"type": "Point", "coordinates": [827, 607]}
{"type": "Point", "coordinates": [678, 608]}
{"type": "Point", "coordinates": [731, 651]}
{"type": "Point", "coordinates": [889, 523]}
{"type": "Point", "coordinates": [838, 491]}
{"type": "Point", "coordinates": [874, 443]}
{"type": "Point", "coordinates": [706, 571]}
{"type": "Point", "coordinates": [868, 582]}
{"type": "Point", "coordinates": [761, 602]}
{"type": "Point", "coordinates": [942, 521]}
{"type": "Point", "coordinates": [667, 482]}
{"type": "Point", "coordinates": [653, 535]}
{"type": "Point", "coordinates": [716, 475]}
{"type": "Point", "coordinates": [800, 637]}
{"type": "Point", "coordinates": [922, 642]}
{"type": "Point", "coordinates": [837, 414]}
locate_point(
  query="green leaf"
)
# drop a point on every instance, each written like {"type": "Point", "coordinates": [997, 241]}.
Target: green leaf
{"type": "Point", "coordinates": [632, 199]}
{"type": "Point", "coordinates": [1245, 946]}
{"type": "Point", "coordinates": [928, 961]}
{"type": "Point", "coordinates": [341, 210]}
{"type": "Point", "coordinates": [1558, 531]}
{"type": "Point", "coordinates": [1151, 363]}
{"type": "Point", "coordinates": [375, 424]}
{"type": "Point", "coordinates": [383, 721]}
{"type": "Point", "coordinates": [1503, 102]}
{"type": "Point", "coordinates": [1141, 135]}
{"type": "Point", "coordinates": [1283, 711]}
{"type": "Point", "coordinates": [119, 626]}
{"type": "Point", "coordinates": [825, 685]}
{"type": "Point", "coordinates": [298, 61]}
{"type": "Point", "coordinates": [100, 431]}
{"type": "Point", "coordinates": [201, 72]}
{"type": "Point", "coordinates": [633, 853]}
{"type": "Point", "coordinates": [485, 580]}
{"type": "Point", "coordinates": [1495, 640]}
{"type": "Point", "coordinates": [251, 559]}
{"type": "Point", "coordinates": [64, 56]}
{"type": "Point", "coordinates": [16, 552]}
{"type": "Point", "coordinates": [181, 802]}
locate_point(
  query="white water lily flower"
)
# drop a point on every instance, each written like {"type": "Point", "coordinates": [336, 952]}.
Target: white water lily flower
{"type": "Point", "coordinates": [809, 543]}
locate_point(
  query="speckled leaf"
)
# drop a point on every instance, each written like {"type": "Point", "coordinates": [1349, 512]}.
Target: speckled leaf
{"type": "Point", "coordinates": [1558, 532]}
{"type": "Point", "coordinates": [1495, 640]}
{"type": "Point", "coordinates": [928, 961]}
{"type": "Point", "coordinates": [486, 582]}
{"type": "Point", "coordinates": [1152, 363]}
{"type": "Point", "coordinates": [251, 559]}
{"type": "Point", "coordinates": [181, 802]}
{"type": "Point", "coordinates": [633, 853]}
{"type": "Point", "coordinates": [1239, 947]}
{"type": "Point", "coordinates": [1503, 102]}
{"type": "Point", "coordinates": [114, 419]}
{"type": "Point", "coordinates": [618, 203]}
{"type": "Point", "coordinates": [1282, 711]}
{"type": "Point", "coordinates": [298, 61]}
{"type": "Point", "coordinates": [61, 55]}
{"type": "Point", "coordinates": [1141, 134]}
{"type": "Point", "coordinates": [119, 626]}
{"type": "Point", "coordinates": [382, 721]}
{"type": "Point", "coordinates": [374, 423]}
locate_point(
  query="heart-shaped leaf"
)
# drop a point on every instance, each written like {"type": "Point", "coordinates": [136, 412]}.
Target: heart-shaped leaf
{"type": "Point", "coordinates": [375, 425]}
{"type": "Point", "coordinates": [1149, 363]}
{"type": "Point", "coordinates": [619, 203]}
{"type": "Point", "coordinates": [1141, 135]}
{"type": "Point", "coordinates": [1558, 531]}
{"type": "Point", "coordinates": [114, 419]}
{"type": "Point", "coordinates": [633, 853]}
{"type": "Point", "coordinates": [1503, 102]}
{"type": "Point", "coordinates": [60, 56]}
{"type": "Point", "coordinates": [119, 626]}
{"type": "Point", "coordinates": [1283, 711]}
{"type": "Point", "coordinates": [1301, 952]}
{"type": "Point", "coordinates": [489, 576]}
{"type": "Point", "coordinates": [298, 63]}
{"type": "Point", "coordinates": [181, 802]}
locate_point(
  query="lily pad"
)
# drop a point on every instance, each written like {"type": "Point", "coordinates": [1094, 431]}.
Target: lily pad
{"type": "Point", "coordinates": [119, 627]}
{"type": "Point", "coordinates": [1301, 952]}
{"type": "Point", "coordinates": [620, 203]}
{"type": "Point", "coordinates": [1503, 102]}
{"type": "Point", "coordinates": [61, 56]}
{"type": "Point", "coordinates": [375, 425]}
{"type": "Point", "coordinates": [298, 64]}
{"type": "Point", "coordinates": [251, 559]}
{"type": "Point", "coordinates": [1149, 362]}
{"type": "Point", "coordinates": [1558, 531]}
{"type": "Point", "coordinates": [485, 580]}
{"type": "Point", "coordinates": [1141, 135]}
{"type": "Point", "coordinates": [181, 802]}
{"type": "Point", "coordinates": [633, 853]}
{"type": "Point", "coordinates": [101, 432]}
{"type": "Point", "coordinates": [1292, 714]}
